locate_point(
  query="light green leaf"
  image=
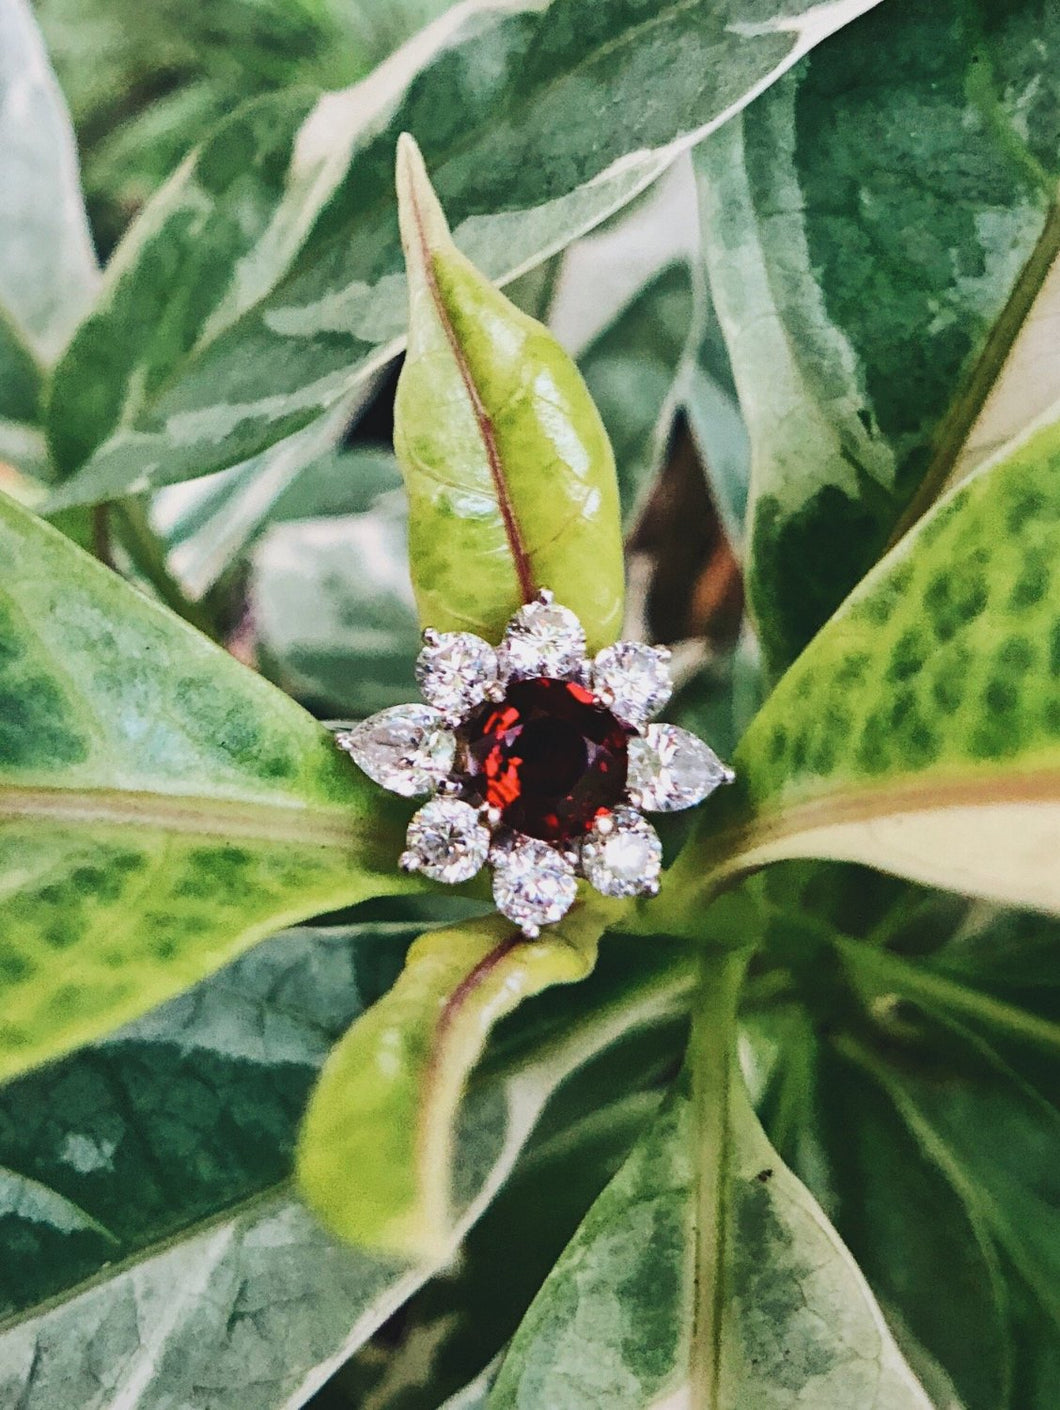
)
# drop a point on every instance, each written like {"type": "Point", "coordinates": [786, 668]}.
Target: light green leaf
{"type": "Point", "coordinates": [877, 228]}
{"type": "Point", "coordinates": [48, 273]}
{"type": "Point", "coordinates": [920, 731]}
{"type": "Point", "coordinates": [334, 616]}
{"type": "Point", "coordinates": [263, 281]}
{"type": "Point", "coordinates": [161, 807]}
{"type": "Point", "coordinates": [509, 472]}
{"type": "Point", "coordinates": [376, 1151]}
{"type": "Point", "coordinates": [706, 1277]}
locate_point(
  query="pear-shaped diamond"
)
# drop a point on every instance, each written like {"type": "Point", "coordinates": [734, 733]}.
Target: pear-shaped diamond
{"type": "Point", "coordinates": [533, 884]}
{"type": "Point", "coordinates": [407, 748]}
{"type": "Point", "coordinates": [542, 639]}
{"type": "Point", "coordinates": [670, 769]}
{"type": "Point", "coordinates": [632, 680]}
{"type": "Point", "coordinates": [622, 855]}
{"type": "Point", "coordinates": [455, 670]}
{"type": "Point", "coordinates": [446, 841]}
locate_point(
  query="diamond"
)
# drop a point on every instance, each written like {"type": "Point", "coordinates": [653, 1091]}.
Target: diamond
{"type": "Point", "coordinates": [405, 748]}
{"type": "Point", "coordinates": [455, 670]}
{"type": "Point", "coordinates": [622, 855]}
{"type": "Point", "coordinates": [542, 639]}
{"type": "Point", "coordinates": [548, 757]}
{"type": "Point", "coordinates": [633, 680]}
{"type": "Point", "coordinates": [533, 885]}
{"type": "Point", "coordinates": [670, 769]}
{"type": "Point", "coordinates": [446, 841]}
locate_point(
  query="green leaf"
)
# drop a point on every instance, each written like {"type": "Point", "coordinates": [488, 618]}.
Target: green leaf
{"type": "Point", "coordinates": [161, 807]}
{"type": "Point", "coordinates": [334, 616]}
{"type": "Point", "coordinates": [48, 273]}
{"type": "Point", "coordinates": [376, 1153]}
{"type": "Point", "coordinates": [174, 1140]}
{"type": "Point", "coordinates": [909, 1028]}
{"type": "Point", "coordinates": [920, 732]}
{"type": "Point", "coordinates": [508, 469]}
{"type": "Point", "coordinates": [210, 524]}
{"type": "Point", "coordinates": [177, 1134]}
{"type": "Point", "coordinates": [632, 370]}
{"type": "Point", "coordinates": [263, 282]}
{"type": "Point", "coordinates": [706, 1275]}
{"type": "Point", "coordinates": [461, 1319]}
{"type": "Point", "coordinates": [877, 227]}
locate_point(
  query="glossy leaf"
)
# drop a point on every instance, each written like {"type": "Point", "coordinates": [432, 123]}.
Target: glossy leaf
{"type": "Point", "coordinates": [462, 1319]}
{"type": "Point", "coordinates": [161, 807]}
{"type": "Point", "coordinates": [508, 469]}
{"type": "Point", "coordinates": [376, 1150]}
{"type": "Point", "coordinates": [263, 281]}
{"type": "Point", "coordinates": [334, 616]}
{"type": "Point", "coordinates": [48, 273]}
{"type": "Point", "coordinates": [917, 1091]}
{"type": "Point", "coordinates": [920, 732]}
{"type": "Point", "coordinates": [176, 1135]}
{"type": "Point", "coordinates": [877, 228]}
{"type": "Point", "coordinates": [706, 1276]}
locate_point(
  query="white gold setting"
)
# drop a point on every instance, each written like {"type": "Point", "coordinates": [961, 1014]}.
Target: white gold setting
{"type": "Point", "coordinates": [446, 841]}
{"type": "Point", "coordinates": [543, 639]}
{"type": "Point", "coordinates": [533, 884]}
{"type": "Point", "coordinates": [622, 855]}
{"type": "Point", "coordinates": [671, 769]}
{"type": "Point", "coordinates": [415, 749]}
{"type": "Point", "coordinates": [456, 671]}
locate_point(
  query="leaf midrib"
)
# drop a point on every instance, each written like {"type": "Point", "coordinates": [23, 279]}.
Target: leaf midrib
{"type": "Point", "coordinates": [928, 793]}
{"type": "Point", "coordinates": [272, 821]}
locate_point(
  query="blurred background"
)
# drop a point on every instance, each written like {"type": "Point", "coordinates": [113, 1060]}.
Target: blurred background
{"type": "Point", "coordinates": [299, 565]}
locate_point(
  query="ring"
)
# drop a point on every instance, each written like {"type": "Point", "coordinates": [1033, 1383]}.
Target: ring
{"type": "Point", "coordinates": [539, 763]}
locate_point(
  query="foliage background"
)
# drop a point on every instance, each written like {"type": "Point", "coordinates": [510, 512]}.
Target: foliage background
{"type": "Point", "coordinates": [800, 328]}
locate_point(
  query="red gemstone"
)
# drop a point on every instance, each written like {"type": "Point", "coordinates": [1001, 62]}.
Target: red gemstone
{"type": "Point", "coordinates": [548, 756]}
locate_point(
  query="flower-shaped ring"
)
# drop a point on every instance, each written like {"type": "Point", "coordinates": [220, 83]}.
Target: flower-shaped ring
{"type": "Point", "coordinates": [539, 762]}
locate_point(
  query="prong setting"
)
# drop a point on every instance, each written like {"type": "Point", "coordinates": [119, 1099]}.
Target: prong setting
{"type": "Point", "coordinates": [548, 807]}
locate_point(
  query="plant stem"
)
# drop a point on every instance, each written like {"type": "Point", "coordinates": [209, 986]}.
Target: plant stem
{"type": "Point", "coordinates": [712, 1062]}
{"type": "Point", "coordinates": [147, 553]}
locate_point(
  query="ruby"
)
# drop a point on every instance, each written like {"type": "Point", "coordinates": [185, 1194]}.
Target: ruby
{"type": "Point", "coordinates": [548, 756]}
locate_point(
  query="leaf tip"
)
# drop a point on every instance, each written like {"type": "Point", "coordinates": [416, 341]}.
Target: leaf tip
{"type": "Point", "coordinates": [424, 227]}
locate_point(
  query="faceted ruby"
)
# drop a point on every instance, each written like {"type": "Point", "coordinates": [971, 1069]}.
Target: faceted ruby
{"type": "Point", "coordinates": [548, 756]}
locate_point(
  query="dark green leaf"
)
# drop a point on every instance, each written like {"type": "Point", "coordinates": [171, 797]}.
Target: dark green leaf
{"type": "Point", "coordinates": [263, 282]}
{"type": "Point", "coordinates": [877, 227]}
